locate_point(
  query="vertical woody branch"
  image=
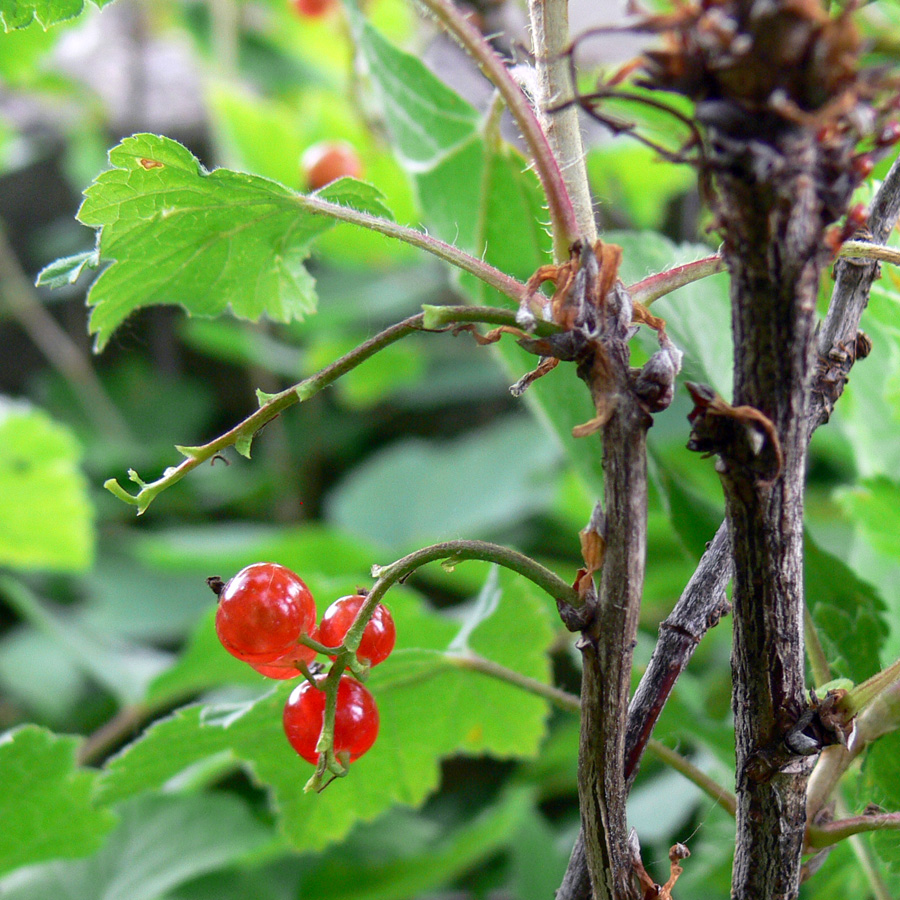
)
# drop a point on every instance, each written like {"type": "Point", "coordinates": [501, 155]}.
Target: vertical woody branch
{"type": "Point", "coordinates": [779, 102]}
{"type": "Point", "coordinates": [607, 647]}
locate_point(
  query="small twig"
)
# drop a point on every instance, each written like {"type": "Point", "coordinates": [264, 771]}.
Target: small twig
{"type": "Point", "coordinates": [818, 836]}
{"type": "Point", "coordinates": [124, 723]}
{"type": "Point", "coordinates": [471, 661]}
{"type": "Point", "coordinates": [244, 431]}
{"type": "Point", "coordinates": [454, 551]}
{"type": "Point", "coordinates": [549, 21]}
{"type": "Point", "coordinates": [571, 703]}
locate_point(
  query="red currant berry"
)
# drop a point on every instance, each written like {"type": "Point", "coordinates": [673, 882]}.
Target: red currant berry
{"type": "Point", "coordinates": [327, 161]}
{"type": "Point", "coordinates": [378, 638]}
{"type": "Point", "coordinates": [262, 612]}
{"type": "Point", "coordinates": [355, 719]}
{"type": "Point", "coordinates": [312, 9]}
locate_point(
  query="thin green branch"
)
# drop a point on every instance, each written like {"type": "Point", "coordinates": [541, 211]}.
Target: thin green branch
{"type": "Point", "coordinates": [570, 703]}
{"type": "Point", "coordinates": [242, 433]}
{"type": "Point", "coordinates": [475, 663]}
{"type": "Point", "coordinates": [549, 21]}
{"type": "Point", "coordinates": [447, 252]}
{"type": "Point", "coordinates": [562, 214]}
{"type": "Point", "coordinates": [818, 836]}
{"type": "Point", "coordinates": [453, 552]}
{"type": "Point", "coordinates": [655, 286]}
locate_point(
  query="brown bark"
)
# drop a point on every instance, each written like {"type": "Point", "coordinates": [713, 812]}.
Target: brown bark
{"type": "Point", "coordinates": [774, 232]}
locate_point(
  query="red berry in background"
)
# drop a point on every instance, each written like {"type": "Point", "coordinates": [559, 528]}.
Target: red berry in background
{"type": "Point", "coordinates": [312, 9]}
{"type": "Point", "coordinates": [262, 612]}
{"type": "Point", "coordinates": [327, 161]}
{"type": "Point", "coordinates": [379, 635]}
{"type": "Point", "coordinates": [355, 719]}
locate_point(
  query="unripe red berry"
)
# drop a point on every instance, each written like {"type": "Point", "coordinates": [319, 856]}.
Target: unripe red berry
{"type": "Point", "coordinates": [327, 161]}
{"type": "Point", "coordinates": [355, 719]}
{"type": "Point", "coordinates": [378, 637]}
{"type": "Point", "coordinates": [262, 613]}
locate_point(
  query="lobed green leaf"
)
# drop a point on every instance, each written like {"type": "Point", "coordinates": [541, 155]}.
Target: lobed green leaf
{"type": "Point", "coordinates": [21, 13]}
{"type": "Point", "coordinates": [208, 241]}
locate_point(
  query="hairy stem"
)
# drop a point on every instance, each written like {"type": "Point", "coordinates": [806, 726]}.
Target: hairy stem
{"type": "Point", "coordinates": [564, 223]}
{"type": "Point", "coordinates": [505, 284]}
{"type": "Point", "coordinates": [550, 38]}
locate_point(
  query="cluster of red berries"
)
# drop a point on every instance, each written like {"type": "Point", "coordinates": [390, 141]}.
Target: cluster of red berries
{"type": "Point", "coordinates": [264, 612]}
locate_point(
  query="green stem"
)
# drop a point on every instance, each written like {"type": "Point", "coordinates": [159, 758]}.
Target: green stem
{"type": "Point", "coordinates": [570, 703]}
{"type": "Point", "coordinates": [474, 663]}
{"type": "Point", "coordinates": [549, 20]}
{"type": "Point", "coordinates": [455, 551]}
{"type": "Point", "coordinates": [243, 432]}
{"type": "Point", "coordinates": [864, 855]}
{"type": "Point", "coordinates": [655, 286]}
{"type": "Point", "coordinates": [447, 252]}
{"type": "Point", "coordinates": [562, 213]}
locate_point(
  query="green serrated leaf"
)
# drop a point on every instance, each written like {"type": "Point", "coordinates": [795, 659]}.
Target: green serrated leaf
{"type": "Point", "coordinates": [21, 13]}
{"type": "Point", "coordinates": [46, 800]}
{"type": "Point", "coordinates": [46, 518]}
{"type": "Point", "coordinates": [429, 709]}
{"type": "Point", "coordinates": [208, 241]}
{"type": "Point", "coordinates": [425, 117]}
{"type": "Point", "coordinates": [161, 842]}
{"type": "Point", "coordinates": [360, 195]}
{"type": "Point", "coordinates": [67, 270]}
{"type": "Point", "coordinates": [875, 508]}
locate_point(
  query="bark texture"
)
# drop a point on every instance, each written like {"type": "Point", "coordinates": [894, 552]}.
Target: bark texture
{"type": "Point", "coordinates": [774, 228]}
{"type": "Point", "coordinates": [607, 647]}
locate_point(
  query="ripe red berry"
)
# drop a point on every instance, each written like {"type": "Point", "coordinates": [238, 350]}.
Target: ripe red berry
{"type": "Point", "coordinates": [355, 719]}
{"type": "Point", "coordinates": [262, 612]}
{"type": "Point", "coordinates": [327, 161]}
{"type": "Point", "coordinates": [312, 9]}
{"type": "Point", "coordinates": [378, 638]}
